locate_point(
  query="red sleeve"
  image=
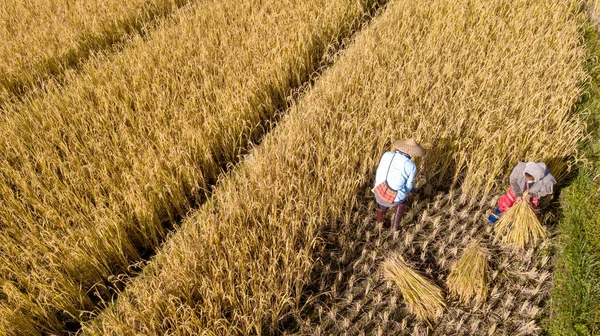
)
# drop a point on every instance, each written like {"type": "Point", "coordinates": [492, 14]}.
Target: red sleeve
{"type": "Point", "coordinates": [507, 200]}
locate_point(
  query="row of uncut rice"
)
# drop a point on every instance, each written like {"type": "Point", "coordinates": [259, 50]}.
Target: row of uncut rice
{"type": "Point", "coordinates": [42, 38]}
{"type": "Point", "coordinates": [91, 171]}
{"type": "Point", "coordinates": [481, 83]}
{"type": "Point", "coordinates": [593, 9]}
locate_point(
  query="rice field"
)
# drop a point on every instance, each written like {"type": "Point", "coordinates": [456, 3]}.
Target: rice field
{"type": "Point", "coordinates": [287, 243]}
{"type": "Point", "coordinates": [245, 164]}
{"type": "Point", "coordinates": [96, 170]}
{"type": "Point", "coordinates": [593, 8]}
{"type": "Point", "coordinates": [42, 39]}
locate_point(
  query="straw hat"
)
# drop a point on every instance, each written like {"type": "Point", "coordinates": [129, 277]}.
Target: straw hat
{"type": "Point", "coordinates": [409, 146]}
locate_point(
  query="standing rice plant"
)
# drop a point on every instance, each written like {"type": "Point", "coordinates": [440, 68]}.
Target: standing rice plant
{"type": "Point", "coordinates": [520, 226]}
{"type": "Point", "coordinates": [44, 38]}
{"type": "Point", "coordinates": [468, 277]}
{"type": "Point", "coordinates": [593, 11]}
{"type": "Point", "coordinates": [424, 298]}
{"type": "Point", "coordinates": [94, 171]}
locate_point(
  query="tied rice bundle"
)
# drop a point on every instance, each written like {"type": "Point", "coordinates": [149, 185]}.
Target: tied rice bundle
{"type": "Point", "coordinates": [520, 225]}
{"type": "Point", "coordinates": [468, 276]}
{"type": "Point", "coordinates": [424, 298]}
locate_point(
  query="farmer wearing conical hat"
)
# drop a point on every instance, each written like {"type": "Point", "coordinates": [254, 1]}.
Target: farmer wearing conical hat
{"type": "Point", "coordinates": [531, 176]}
{"type": "Point", "coordinates": [394, 178]}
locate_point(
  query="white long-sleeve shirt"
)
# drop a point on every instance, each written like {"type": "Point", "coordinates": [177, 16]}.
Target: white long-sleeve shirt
{"type": "Point", "coordinates": [401, 175]}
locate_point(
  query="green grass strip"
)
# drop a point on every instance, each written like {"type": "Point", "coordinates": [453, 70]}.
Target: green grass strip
{"type": "Point", "coordinates": [576, 295]}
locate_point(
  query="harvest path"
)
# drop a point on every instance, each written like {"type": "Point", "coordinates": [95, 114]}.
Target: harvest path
{"type": "Point", "coordinates": [348, 295]}
{"type": "Point", "coordinates": [93, 172]}
{"type": "Point", "coordinates": [464, 79]}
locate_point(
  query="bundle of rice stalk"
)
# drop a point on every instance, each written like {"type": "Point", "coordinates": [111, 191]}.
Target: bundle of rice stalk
{"type": "Point", "coordinates": [520, 225]}
{"type": "Point", "coordinates": [468, 276]}
{"type": "Point", "coordinates": [423, 297]}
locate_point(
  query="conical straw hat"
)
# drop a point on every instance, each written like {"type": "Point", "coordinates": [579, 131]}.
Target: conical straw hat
{"type": "Point", "coordinates": [409, 146]}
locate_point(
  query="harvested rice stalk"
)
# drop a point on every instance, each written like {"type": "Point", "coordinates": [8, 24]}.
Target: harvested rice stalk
{"type": "Point", "coordinates": [519, 226]}
{"type": "Point", "coordinates": [423, 297]}
{"type": "Point", "coordinates": [468, 276]}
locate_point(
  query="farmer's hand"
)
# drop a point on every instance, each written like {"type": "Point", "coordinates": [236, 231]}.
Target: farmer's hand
{"type": "Point", "coordinates": [526, 198]}
{"type": "Point", "coordinates": [415, 191]}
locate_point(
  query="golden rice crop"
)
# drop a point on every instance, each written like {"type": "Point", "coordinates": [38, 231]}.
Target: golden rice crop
{"type": "Point", "coordinates": [483, 84]}
{"type": "Point", "coordinates": [91, 170]}
{"type": "Point", "coordinates": [468, 277]}
{"type": "Point", "coordinates": [519, 226]}
{"type": "Point", "coordinates": [423, 297]}
{"type": "Point", "coordinates": [43, 38]}
{"type": "Point", "coordinates": [593, 11]}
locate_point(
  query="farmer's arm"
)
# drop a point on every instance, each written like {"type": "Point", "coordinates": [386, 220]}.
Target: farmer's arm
{"type": "Point", "coordinates": [515, 176]}
{"type": "Point", "coordinates": [412, 172]}
{"type": "Point", "coordinates": [547, 187]}
{"type": "Point", "coordinates": [546, 190]}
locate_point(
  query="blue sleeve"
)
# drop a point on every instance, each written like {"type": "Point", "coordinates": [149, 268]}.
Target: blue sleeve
{"type": "Point", "coordinates": [412, 171]}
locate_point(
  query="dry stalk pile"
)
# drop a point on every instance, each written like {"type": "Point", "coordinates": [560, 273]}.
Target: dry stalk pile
{"type": "Point", "coordinates": [520, 226]}
{"type": "Point", "coordinates": [423, 297]}
{"type": "Point", "coordinates": [469, 276]}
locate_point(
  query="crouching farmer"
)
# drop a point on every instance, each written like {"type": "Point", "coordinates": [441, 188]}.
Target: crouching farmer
{"type": "Point", "coordinates": [394, 178]}
{"type": "Point", "coordinates": [532, 176]}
